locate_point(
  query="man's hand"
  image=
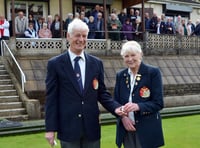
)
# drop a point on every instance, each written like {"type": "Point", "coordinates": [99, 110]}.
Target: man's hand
{"type": "Point", "coordinates": [128, 124]}
{"type": "Point", "coordinates": [120, 111]}
{"type": "Point", "coordinates": [50, 136]}
{"type": "Point", "coordinates": [131, 107]}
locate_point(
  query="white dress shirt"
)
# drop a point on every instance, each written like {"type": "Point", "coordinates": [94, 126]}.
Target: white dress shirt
{"type": "Point", "coordinates": [82, 64]}
{"type": "Point", "coordinates": [132, 83]}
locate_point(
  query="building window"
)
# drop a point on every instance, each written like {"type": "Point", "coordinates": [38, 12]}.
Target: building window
{"type": "Point", "coordinates": [37, 9]}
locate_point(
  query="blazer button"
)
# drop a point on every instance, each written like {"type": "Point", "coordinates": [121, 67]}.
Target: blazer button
{"type": "Point", "coordinates": [136, 121]}
{"type": "Point", "coordinates": [82, 102]}
{"type": "Point", "coordinates": [79, 115]}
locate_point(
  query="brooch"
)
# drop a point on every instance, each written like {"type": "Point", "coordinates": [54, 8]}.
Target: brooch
{"type": "Point", "coordinates": [127, 80]}
{"type": "Point", "coordinates": [144, 92]}
{"type": "Point", "coordinates": [95, 84]}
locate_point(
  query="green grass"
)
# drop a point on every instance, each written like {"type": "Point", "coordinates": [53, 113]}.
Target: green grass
{"type": "Point", "coordinates": [179, 132]}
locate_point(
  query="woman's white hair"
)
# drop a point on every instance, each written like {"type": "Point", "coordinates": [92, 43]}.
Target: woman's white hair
{"type": "Point", "coordinates": [77, 24]}
{"type": "Point", "coordinates": [131, 47]}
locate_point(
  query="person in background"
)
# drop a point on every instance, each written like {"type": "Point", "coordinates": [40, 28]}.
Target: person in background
{"type": "Point", "coordinates": [147, 21]}
{"type": "Point", "coordinates": [178, 25]}
{"type": "Point", "coordinates": [4, 30]}
{"type": "Point", "coordinates": [21, 24]}
{"type": "Point", "coordinates": [170, 27]}
{"type": "Point", "coordinates": [139, 88]}
{"type": "Point", "coordinates": [101, 10]}
{"type": "Point", "coordinates": [184, 31]}
{"type": "Point", "coordinates": [92, 27]}
{"type": "Point", "coordinates": [132, 16]}
{"type": "Point", "coordinates": [56, 27]}
{"type": "Point", "coordinates": [45, 32]}
{"type": "Point", "coordinates": [33, 21]}
{"type": "Point", "coordinates": [31, 32]}
{"type": "Point", "coordinates": [127, 30]}
{"type": "Point", "coordinates": [137, 15]}
{"type": "Point", "coordinates": [197, 28]}
{"type": "Point", "coordinates": [114, 26]}
{"type": "Point", "coordinates": [161, 26]}
{"type": "Point", "coordinates": [95, 12]}
{"type": "Point", "coordinates": [190, 27]}
{"type": "Point", "coordinates": [99, 34]}
{"type": "Point", "coordinates": [68, 20]}
{"type": "Point", "coordinates": [83, 18]}
{"type": "Point", "coordinates": [74, 86]}
{"type": "Point", "coordinates": [40, 22]}
{"type": "Point", "coordinates": [49, 21]}
{"type": "Point", "coordinates": [138, 30]}
{"type": "Point", "coordinates": [77, 15]}
{"type": "Point", "coordinates": [122, 18]}
{"type": "Point", "coordinates": [153, 23]}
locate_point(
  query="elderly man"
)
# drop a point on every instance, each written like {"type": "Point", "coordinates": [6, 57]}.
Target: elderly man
{"type": "Point", "coordinates": [21, 24]}
{"type": "Point", "coordinates": [75, 84]}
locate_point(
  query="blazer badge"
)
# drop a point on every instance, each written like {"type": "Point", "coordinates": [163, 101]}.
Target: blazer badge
{"type": "Point", "coordinates": [144, 92]}
{"type": "Point", "coordinates": [95, 84]}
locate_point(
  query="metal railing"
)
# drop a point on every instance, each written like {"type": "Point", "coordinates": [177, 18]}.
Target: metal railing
{"type": "Point", "coordinates": [5, 47]}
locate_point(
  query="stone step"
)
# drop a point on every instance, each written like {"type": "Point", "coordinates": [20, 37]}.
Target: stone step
{"type": "Point", "coordinates": [4, 99]}
{"type": "Point", "coordinates": [4, 76]}
{"type": "Point", "coordinates": [10, 105]}
{"type": "Point", "coordinates": [16, 117]}
{"type": "Point", "coordinates": [7, 87]}
{"type": "Point", "coordinates": [2, 67]}
{"type": "Point", "coordinates": [12, 112]}
{"type": "Point", "coordinates": [3, 71]}
{"type": "Point", "coordinates": [8, 92]}
{"type": "Point", "coordinates": [5, 81]}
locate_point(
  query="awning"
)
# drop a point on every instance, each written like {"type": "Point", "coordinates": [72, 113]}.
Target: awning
{"type": "Point", "coordinates": [108, 2]}
{"type": "Point", "coordinates": [176, 7]}
{"type": "Point", "coordinates": [128, 3]}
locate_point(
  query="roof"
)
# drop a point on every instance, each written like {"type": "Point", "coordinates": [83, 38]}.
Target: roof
{"type": "Point", "coordinates": [128, 3]}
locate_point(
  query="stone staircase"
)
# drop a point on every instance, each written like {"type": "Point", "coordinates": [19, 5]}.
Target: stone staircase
{"type": "Point", "coordinates": [11, 107]}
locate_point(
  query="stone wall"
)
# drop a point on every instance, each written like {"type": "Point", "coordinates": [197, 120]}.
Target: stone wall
{"type": "Point", "coordinates": [180, 74]}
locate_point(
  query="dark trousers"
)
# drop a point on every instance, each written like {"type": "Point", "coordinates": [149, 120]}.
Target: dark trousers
{"type": "Point", "coordinates": [131, 140]}
{"type": "Point", "coordinates": [83, 143]}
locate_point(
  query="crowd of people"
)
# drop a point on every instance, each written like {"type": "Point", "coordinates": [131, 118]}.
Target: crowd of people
{"type": "Point", "coordinates": [125, 25]}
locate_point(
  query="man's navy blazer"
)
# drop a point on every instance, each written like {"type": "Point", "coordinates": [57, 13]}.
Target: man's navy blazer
{"type": "Point", "coordinates": [68, 111]}
{"type": "Point", "coordinates": [148, 94]}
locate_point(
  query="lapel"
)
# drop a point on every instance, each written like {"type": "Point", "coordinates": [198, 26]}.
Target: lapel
{"type": "Point", "coordinates": [88, 73]}
{"type": "Point", "coordinates": [126, 83]}
{"type": "Point", "coordinates": [66, 65]}
{"type": "Point", "coordinates": [139, 76]}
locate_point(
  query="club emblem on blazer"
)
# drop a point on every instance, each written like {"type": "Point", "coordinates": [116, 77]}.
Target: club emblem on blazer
{"type": "Point", "coordinates": [95, 84]}
{"type": "Point", "coordinates": [144, 92]}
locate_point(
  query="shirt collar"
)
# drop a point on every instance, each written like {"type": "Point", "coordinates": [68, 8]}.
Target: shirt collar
{"type": "Point", "coordinates": [129, 71]}
{"type": "Point", "coordinates": [73, 55]}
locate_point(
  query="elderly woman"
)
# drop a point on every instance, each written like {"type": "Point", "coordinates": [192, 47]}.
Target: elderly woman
{"type": "Point", "coordinates": [45, 32]}
{"type": "Point", "coordinates": [139, 88]}
{"type": "Point", "coordinates": [114, 26]}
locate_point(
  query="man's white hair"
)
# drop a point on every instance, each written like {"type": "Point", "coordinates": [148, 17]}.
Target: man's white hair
{"type": "Point", "coordinates": [131, 47]}
{"type": "Point", "coordinates": [77, 24]}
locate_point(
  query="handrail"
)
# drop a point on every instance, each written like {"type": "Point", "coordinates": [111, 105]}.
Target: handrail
{"type": "Point", "coordinates": [5, 46]}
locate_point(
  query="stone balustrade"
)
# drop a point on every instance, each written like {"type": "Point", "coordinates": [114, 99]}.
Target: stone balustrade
{"type": "Point", "coordinates": [152, 45]}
